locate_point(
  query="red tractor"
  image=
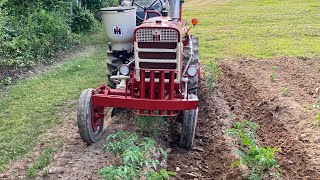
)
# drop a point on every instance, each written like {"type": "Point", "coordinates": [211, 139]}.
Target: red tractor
{"type": "Point", "coordinates": [153, 68]}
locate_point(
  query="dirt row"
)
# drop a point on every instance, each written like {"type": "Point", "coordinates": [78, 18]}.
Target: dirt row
{"type": "Point", "coordinates": [244, 91]}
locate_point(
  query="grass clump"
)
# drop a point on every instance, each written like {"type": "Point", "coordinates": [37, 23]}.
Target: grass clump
{"type": "Point", "coordinates": [137, 154]}
{"type": "Point", "coordinates": [284, 91]}
{"type": "Point", "coordinates": [212, 71]}
{"type": "Point", "coordinates": [256, 160]}
{"type": "Point", "coordinates": [316, 119]}
{"type": "Point", "coordinates": [273, 75]}
{"type": "Point", "coordinates": [44, 160]}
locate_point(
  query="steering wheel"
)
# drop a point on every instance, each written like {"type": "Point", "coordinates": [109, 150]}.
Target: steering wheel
{"type": "Point", "coordinates": [144, 5]}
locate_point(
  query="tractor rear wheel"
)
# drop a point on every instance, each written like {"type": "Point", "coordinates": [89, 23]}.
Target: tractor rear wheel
{"type": "Point", "coordinates": [113, 65]}
{"type": "Point", "coordinates": [193, 81]}
{"type": "Point", "coordinates": [189, 123]}
{"type": "Point", "coordinates": [90, 119]}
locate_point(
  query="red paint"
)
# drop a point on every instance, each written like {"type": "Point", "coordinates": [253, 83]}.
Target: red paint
{"type": "Point", "coordinates": [145, 104]}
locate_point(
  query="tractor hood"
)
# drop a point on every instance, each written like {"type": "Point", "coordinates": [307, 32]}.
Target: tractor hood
{"type": "Point", "coordinates": [160, 22]}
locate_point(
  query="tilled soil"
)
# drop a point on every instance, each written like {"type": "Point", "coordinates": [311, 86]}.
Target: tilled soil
{"type": "Point", "coordinates": [244, 91]}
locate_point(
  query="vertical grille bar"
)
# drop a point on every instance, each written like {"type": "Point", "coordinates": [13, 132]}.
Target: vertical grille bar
{"type": "Point", "coordinates": [142, 86]}
{"type": "Point", "coordinates": [161, 88]}
{"type": "Point", "coordinates": [171, 88]}
{"type": "Point", "coordinates": [152, 87]}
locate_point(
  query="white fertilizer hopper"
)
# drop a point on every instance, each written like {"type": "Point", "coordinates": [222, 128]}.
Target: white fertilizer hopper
{"type": "Point", "coordinates": [119, 25]}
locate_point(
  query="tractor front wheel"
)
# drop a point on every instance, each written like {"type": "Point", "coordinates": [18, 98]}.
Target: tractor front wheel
{"type": "Point", "coordinates": [90, 119]}
{"type": "Point", "coordinates": [190, 118]}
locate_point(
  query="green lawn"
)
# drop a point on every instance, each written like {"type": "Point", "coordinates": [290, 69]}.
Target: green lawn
{"type": "Point", "coordinates": [31, 106]}
{"type": "Point", "coordinates": [256, 28]}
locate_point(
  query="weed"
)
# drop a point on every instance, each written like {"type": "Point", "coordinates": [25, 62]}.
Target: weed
{"type": "Point", "coordinates": [258, 160]}
{"type": "Point", "coordinates": [43, 161]}
{"type": "Point", "coordinates": [148, 124]}
{"type": "Point", "coordinates": [119, 173]}
{"type": "Point", "coordinates": [316, 119]}
{"type": "Point", "coordinates": [161, 175]}
{"type": "Point", "coordinates": [314, 106]}
{"type": "Point", "coordinates": [274, 75]}
{"type": "Point", "coordinates": [211, 72]}
{"type": "Point", "coordinates": [31, 172]}
{"type": "Point", "coordinates": [284, 91]}
{"type": "Point", "coordinates": [136, 153]}
{"type": "Point", "coordinates": [275, 68]}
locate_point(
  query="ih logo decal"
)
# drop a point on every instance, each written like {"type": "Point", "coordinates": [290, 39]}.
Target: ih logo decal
{"type": "Point", "coordinates": [117, 31]}
{"type": "Point", "coordinates": [156, 35]}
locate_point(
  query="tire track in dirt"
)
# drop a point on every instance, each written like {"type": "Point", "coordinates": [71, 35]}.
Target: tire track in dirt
{"type": "Point", "coordinates": [79, 161]}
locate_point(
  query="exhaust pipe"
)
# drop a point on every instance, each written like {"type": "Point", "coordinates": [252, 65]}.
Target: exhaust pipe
{"type": "Point", "coordinates": [174, 9]}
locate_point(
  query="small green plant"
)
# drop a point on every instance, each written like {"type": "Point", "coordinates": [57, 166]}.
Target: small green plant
{"type": "Point", "coordinates": [258, 160]}
{"type": "Point", "coordinates": [316, 119]}
{"type": "Point", "coordinates": [161, 175]}
{"type": "Point", "coordinates": [314, 106]}
{"type": "Point", "coordinates": [273, 75]}
{"type": "Point", "coordinates": [149, 125]}
{"type": "Point", "coordinates": [284, 91]}
{"type": "Point", "coordinates": [120, 172]}
{"type": "Point", "coordinates": [212, 71]}
{"type": "Point", "coordinates": [136, 153]}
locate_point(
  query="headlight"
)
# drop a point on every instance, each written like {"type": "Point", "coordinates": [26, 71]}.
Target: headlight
{"type": "Point", "coordinates": [124, 70]}
{"type": "Point", "coordinates": [192, 70]}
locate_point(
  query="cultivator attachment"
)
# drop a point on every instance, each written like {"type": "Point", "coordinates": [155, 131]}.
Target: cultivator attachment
{"type": "Point", "coordinates": [156, 94]}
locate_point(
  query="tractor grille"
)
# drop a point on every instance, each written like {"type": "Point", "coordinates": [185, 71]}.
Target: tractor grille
{"type": "Point", "coordinates": [157, 35]}
{"type": "Point", "coordinates": [157, 55]}
{"type": "Point", "coordinates": [146, 65]}
{"type": "Point", "coordinates": [158, 45]}
{"type": "Point", "coordinates": [157, 49]}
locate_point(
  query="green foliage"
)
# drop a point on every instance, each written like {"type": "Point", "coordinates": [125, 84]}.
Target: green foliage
{"type": "Point", "coordinates": [161, 175]}
{"type": "Point", "coordinates": [33, 38]}
{"type": "Point", "coordinates": [119, 173]}
{"type": "Point", "coordinates": [135, 152]}
{"type": "Point", "coordinates": [118, 142]}
{"type": "Point", "coordinates": [32, 31]}
{"type": "Point", "coordinates": [82, 20]}
{"type": "Point", "coordinates": [149, 125]}
{"type": "Point", "coordinates": [211, 71]}
{"type": "Point", "coordinates": [258, 160]}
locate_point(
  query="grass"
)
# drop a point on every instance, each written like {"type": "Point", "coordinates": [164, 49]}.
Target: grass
{"type": "Point", "coordinates": [255, 28]}
{"type": "Point", "coordinates": [42, 161]}
{"type": "Point", "coordinates": [32, 105]}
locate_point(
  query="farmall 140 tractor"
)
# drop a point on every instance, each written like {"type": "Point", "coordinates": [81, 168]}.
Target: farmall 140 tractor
{"type": "Point", "coordinates": [153, 68]}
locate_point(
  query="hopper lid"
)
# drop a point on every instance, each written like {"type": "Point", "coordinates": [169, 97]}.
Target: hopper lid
{"type": "Point", "coordinates": [117, 9]}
